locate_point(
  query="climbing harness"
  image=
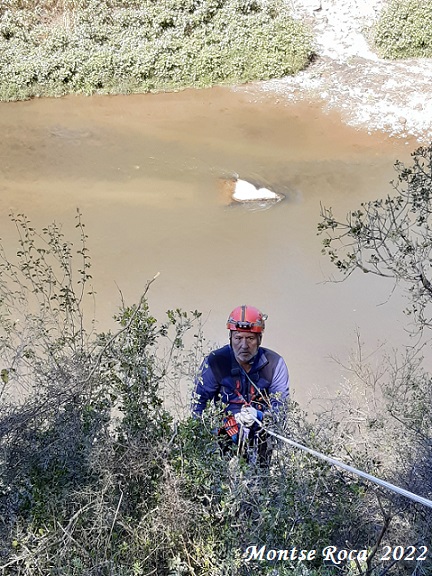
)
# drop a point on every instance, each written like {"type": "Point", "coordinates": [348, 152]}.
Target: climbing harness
{"type": "Point", "coordinates": [261, 393]}
{"type": "Point", "coordinates": [230, 426]}
{"type": "Point", "coordinates": [378, 481]}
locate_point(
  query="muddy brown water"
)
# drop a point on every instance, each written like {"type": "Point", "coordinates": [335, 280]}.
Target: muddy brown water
{"type": "Point", "coordinates": [144, 170]}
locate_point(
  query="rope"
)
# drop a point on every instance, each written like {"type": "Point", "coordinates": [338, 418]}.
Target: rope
{"type": "Point", "coordinates": [348, 468]}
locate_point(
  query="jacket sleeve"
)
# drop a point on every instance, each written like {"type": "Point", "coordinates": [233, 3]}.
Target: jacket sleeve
{"type": "Point", "coordinates": [279, 387]}
{"type": "Point", "coordinates": [206, 388]}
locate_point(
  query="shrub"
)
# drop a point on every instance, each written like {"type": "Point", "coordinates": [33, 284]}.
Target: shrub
{"type": "Point", "coordinates": [404, 30]}
{"type": "Point", "coordinates": [97, 478]}
{"type": "Point", "coordinates": [390, 237]}
{"type": "Point", "coordinates": [110, 46]}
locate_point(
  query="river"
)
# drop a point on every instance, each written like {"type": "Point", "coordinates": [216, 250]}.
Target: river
{"type": "Point", "coordinates": [144, 171]}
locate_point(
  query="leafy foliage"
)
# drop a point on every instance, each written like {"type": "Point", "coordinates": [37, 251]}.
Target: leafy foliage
{"type": "Point", "coordinates": [404, 30]}
{"type": "Point", "coordinates": [97, 477]}
{"type": "Point", "coordinates": [136, 46]}
{"type": "Point", "coordinates": [391, 237]}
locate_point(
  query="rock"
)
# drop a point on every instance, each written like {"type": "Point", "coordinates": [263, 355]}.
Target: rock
{"type": "Point", "coordinates": [246, 192]}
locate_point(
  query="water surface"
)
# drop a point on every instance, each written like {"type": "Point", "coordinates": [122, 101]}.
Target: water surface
{"type": "Point", "coordinates": [144, 171]}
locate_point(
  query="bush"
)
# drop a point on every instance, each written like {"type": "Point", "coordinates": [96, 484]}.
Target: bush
{"type": "Point", "coordinates": [404, 30]}
{"type": "Point", "coordinates": [113, 46]}
{"type": "Point", "coordinates": [391, 236]}
{"type": "Point", "coordinates": [98, 478]}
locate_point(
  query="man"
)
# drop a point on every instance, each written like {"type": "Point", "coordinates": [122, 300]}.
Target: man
{"type": "Point", "coordinates": [248, 379]}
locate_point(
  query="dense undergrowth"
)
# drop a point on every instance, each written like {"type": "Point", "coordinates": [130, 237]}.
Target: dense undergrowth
{"type": "Point", "coordinates": [97, 477]}
{"type": "Point", "coordinates": [404, 30]}
{"type": "Point", "coordinates": [121, 46]}
{"type": "Point", "coordinates": [58, 47]}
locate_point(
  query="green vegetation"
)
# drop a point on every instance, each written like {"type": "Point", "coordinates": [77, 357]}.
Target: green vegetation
{"type": "Point", "coordinates": [404, 30]}
{"type": "Point", "coordinates": [121, 46]}
{"type": "Point", "coordinates": [97, 477]}
{"type": "Point", "coordinates": [391, 237]}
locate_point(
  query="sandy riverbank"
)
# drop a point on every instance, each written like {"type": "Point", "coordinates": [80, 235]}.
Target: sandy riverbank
{"type": "Point", "coordinates": [347, 76]}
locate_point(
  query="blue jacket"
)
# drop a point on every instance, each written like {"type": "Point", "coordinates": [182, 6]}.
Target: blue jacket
{"type": "Point", "coordinates": [222, 378]}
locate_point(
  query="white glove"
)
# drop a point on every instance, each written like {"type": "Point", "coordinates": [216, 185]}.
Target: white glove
{"type": "Point", "coordinates": [247, 416]}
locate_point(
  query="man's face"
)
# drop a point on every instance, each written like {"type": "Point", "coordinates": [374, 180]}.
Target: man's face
{"type": "Point", "coordinates": [245, 346]}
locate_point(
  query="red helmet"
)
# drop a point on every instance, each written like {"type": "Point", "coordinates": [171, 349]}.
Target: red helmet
{"type": "Point", "coordinates": [246, 319]}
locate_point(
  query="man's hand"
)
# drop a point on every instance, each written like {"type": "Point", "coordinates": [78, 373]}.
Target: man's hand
{"type": "Point", "coordinates": [247, 416]}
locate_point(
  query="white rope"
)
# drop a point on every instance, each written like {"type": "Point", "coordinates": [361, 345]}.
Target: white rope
{"type": "Point", "coordinates": [339, 464]}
